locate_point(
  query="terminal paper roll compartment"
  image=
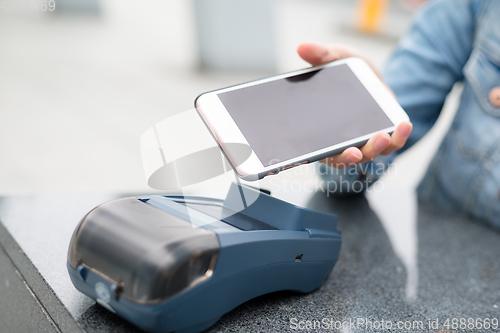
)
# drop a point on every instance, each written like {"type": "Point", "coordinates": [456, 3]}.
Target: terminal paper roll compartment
{"type": "Point", "coordinates": [177, 264]}
{"type": "Point", "coordinates": [149, 255]}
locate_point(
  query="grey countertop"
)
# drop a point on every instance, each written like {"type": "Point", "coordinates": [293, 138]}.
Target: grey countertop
{"type": "Point", "coordinates": [400, 262]}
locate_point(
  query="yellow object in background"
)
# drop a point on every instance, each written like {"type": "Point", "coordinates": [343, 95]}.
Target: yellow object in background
{"type": "Point", "coordinates": [371, 14]}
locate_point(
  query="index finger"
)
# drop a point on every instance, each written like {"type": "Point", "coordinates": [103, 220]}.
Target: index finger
{"type": "Point", "coordinates": [318, 54]}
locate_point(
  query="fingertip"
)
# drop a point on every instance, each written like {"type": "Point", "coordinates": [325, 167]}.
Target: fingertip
{"type": "Point", "coordinates": [381, 136]}
{"type": "Point", "coordinates": [312, 52]}
{"type": "Point", "coordinates": [382, 141]}
{"type": "Point", "coordinates": [352, 155]}
{"type": "Point", "coordinates": [308, 46]}
{"type": "Point", "coordinates": [404, 129]}
{"type": "Point", "coordinates": [354, 151]}
{"type": "Point", "coordinates": [302, 47]}
{"type": "Point", "coordinates": [385, 135]}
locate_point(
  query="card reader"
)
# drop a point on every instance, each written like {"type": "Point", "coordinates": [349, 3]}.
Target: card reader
{"type": "Point", "coordinates": [178, 263]}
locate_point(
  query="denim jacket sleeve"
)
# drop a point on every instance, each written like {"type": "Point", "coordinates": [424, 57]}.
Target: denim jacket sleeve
{"type": "Point", "coordinates": [426, 64]}
{"type": "Point", "coordinates": [429, 60]}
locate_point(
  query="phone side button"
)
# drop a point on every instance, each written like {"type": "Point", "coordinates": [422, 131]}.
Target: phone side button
{"type": "Point", "coordinates": [272, 173]}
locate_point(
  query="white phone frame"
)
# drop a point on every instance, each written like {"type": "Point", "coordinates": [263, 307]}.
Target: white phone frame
{"type": "Point", "coordinates": [224, 129]}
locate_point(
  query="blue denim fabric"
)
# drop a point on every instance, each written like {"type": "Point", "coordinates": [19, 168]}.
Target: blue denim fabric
{"type": "Point", "coordinates": [451, 41]}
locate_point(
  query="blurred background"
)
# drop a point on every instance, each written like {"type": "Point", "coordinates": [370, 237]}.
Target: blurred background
{"type": "Point", "coordinates": [81, 80]}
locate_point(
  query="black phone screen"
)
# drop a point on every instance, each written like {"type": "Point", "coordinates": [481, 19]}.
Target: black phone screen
{"type": "Point", "coordinates": [290, 117]}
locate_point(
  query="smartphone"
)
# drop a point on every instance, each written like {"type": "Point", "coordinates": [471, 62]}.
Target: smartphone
{"type": "Point", "coordinates": [299, 117]}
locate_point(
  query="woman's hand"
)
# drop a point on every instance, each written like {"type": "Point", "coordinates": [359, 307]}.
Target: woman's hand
{"type": "Point", "coordinates": [381, 143]}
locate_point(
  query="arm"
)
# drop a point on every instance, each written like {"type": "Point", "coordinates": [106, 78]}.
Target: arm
{"type": "Point", "coordinates": [429, 60]}
{"type": "Point", "coordinates": [425, 66]}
